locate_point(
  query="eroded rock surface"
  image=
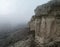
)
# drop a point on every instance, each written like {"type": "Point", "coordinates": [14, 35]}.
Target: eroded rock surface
{"type": "Point", "coordinates": [44, 27]}
{"type": "Point", "coordinates": [46, 24]}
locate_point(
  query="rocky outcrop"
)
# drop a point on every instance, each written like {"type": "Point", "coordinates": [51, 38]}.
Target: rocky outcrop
{"type": "Point", "coordinates": [46, 24]}
{"type": "Point", "coordinates": [44, 27]}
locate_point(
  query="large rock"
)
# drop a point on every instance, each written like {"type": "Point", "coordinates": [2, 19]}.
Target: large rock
{"type": "Point", "coordinates": [46, 24]}
{"type": "Point", "coordinates": [45, 9]}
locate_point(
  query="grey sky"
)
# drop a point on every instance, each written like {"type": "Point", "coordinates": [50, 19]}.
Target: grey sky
{"type": "Point", "coordinates": [18, 11]}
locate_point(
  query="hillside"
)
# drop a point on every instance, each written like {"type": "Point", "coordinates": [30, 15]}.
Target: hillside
{"type": "Point", "coordinates": [9, 34]}
{"type": "Point", "coordinates": [21, 38]}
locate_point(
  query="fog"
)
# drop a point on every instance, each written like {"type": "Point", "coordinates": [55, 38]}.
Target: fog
{"type": "Point", "coordinates": [14, 16]}
{"type": "Point", "coordinates": [18, 11]}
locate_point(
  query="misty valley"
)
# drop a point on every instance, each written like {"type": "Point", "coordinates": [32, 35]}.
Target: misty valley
{"type": "Point", "coordinates": [10, 34]}
{"type": "Point", "coordinates": [23, 26]}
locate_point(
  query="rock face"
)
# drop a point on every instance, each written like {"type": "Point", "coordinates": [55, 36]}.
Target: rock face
{"type": "Point", "coordinates": [46, 24]}
{"type": "Point", "coordinates": [44, 27]}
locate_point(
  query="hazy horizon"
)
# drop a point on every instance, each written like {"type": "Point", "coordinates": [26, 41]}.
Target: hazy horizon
{"type": "Point", "coordinates": [18, 11]}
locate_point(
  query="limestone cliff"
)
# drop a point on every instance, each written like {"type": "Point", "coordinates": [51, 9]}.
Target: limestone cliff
{"type": "Point", "coordinates": [46, 24]}
{"type": "Point", "coordinates": [44, 27]}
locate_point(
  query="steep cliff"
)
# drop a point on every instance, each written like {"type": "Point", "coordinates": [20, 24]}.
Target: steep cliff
{"type": "Point", "coordinates": [46, 24]}
{"type": "Point", "coordinates": [44, 27]}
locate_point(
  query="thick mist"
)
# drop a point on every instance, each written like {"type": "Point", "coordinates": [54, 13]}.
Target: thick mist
{"type": "Point", "coordinates": [14, 16]}
{"type": "Point", "coordinates": [18, 11]}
